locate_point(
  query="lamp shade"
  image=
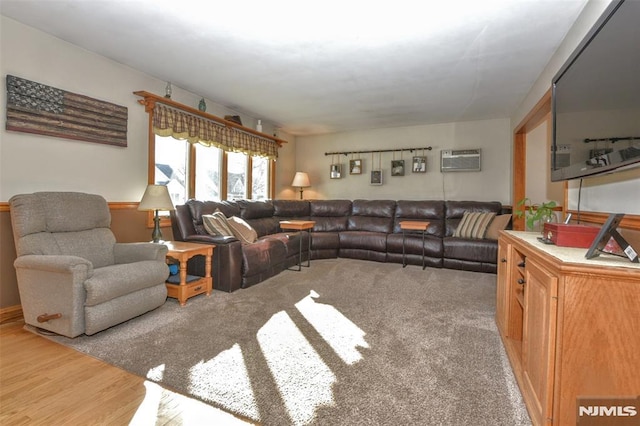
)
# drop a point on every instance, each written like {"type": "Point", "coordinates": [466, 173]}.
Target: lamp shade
{"type": "Point", "coordinates": [156, 197]}
{"type": "Point", "coordinates": [301, 180]}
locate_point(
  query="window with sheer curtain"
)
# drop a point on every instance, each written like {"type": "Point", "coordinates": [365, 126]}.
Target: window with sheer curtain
{"type": "Point", "coordinates": [196, 171]}
{"type": "Point", "coordinates": [200, 158]}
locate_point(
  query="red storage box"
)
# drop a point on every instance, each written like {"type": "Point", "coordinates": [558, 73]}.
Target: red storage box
{"type": "Point", "coordinates": [580, 236]}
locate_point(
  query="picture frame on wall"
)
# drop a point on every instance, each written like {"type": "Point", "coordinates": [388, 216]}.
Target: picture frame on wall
{"type": "Point", "coordinates": [335, 171]}
{"type": "Point", "coordinates": [419, 164]}
{"type": "Point", "coordinates": [397, 167]}
{"type": "Point", "coordinates": [376, 177]}
{"type": "Point", "coordinates": [355, 166]}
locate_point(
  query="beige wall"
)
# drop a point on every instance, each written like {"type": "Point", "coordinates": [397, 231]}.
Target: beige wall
{"type": "Point", "coordinates": [540, 190]}
{"type": "Point", "coordinates": [609, 193]}
{"type": "Point", "coordinates": [35, 163]}
{"type": "Point", "coordinates": [492, 183]}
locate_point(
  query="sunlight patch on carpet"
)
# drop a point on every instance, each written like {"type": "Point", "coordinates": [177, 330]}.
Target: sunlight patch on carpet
{"type": "Point", "coordinates": [338, 331]}
{"type": "Point", "coordinates": [159, 403]}
{"type": "Point", "coordinates": [156, 374]}
{"type": "Point", "coordinates": [303, 379]}
{"type": "Point", "coordinates": [225, 381]}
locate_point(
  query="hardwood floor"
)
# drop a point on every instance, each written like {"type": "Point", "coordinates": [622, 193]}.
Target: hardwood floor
{"type": "Point", "coordinates": [42, 382]}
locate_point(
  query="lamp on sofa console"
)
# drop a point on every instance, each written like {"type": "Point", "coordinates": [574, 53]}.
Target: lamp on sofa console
{"type": "Point", "coordinates": [156, 197]}
{"type": "Point", "coordinates": [301, 180]}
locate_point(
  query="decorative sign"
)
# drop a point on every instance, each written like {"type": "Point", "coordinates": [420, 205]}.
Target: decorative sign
{"type": "Point", "coordinates": [44, 110]}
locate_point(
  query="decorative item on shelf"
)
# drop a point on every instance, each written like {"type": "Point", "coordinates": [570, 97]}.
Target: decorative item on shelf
{"type": "Point", "coordinates": [167, 91]}
{"type": "Point", "coordinates": [155, 198]}
{"type": "Point", "coordinates": [536, 214]}
{"type": "Point", "coordinates": [234, 119]}
{"type": "Point", "coordinates": [259, 126]}
{"type": "Point", "coordinates": [202, 106]}
{"type": "Point", "coordinates": [301, 180]}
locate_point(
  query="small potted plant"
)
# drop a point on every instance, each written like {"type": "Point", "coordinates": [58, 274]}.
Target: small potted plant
{"type": "Point", "coordinates": [536, 214]}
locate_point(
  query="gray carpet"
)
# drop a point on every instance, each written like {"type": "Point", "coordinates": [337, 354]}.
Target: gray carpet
{"type": "Point", "coordinates": [345, 342]}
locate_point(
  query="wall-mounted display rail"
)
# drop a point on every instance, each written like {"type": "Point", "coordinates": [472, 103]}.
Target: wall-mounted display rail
{"type": "Point", "coordinates": [613, 140]}
{"type": "Point", "coordinates": [428, 148]}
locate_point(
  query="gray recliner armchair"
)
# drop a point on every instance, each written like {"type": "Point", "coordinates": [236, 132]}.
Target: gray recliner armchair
{"type": "Point", "coordinates": [73, 277]}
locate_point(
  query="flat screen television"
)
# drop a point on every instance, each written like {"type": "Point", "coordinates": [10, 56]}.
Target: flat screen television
{"type": "Point", "coordinates": [596, 98]}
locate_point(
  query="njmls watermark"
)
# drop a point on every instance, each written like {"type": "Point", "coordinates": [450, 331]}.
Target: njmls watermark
{"type": "Point", "coordinates": [608, 411]}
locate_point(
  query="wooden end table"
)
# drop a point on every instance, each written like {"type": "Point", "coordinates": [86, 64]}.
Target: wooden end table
{"type": "Point", "coordinates": [413, 226]}
{"type": "Point", "coordinates": [189, 286]}
{"type": "Point", "coordinates": [299, 225]}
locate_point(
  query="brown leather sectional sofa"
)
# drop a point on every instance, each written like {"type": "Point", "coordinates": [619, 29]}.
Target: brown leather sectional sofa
{"type": "Point", "coordinates": [361, 229]}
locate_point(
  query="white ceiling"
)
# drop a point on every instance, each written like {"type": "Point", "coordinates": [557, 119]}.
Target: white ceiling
{"type": "Point", "coordinates": [325, 66]}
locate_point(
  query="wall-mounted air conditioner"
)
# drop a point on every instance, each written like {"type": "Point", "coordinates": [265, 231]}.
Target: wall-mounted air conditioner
{"type": "Point", "coordinates": [460, 160]}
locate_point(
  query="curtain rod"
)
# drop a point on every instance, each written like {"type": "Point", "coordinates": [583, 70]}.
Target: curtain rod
{"type": "Point", "coordinates": [612, 140]}
{"type": "Point", "coordinates": [377, 150]}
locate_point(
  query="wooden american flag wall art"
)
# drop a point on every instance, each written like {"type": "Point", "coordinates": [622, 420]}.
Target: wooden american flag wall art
{"type": "Point", "coordinates": [44, 110]}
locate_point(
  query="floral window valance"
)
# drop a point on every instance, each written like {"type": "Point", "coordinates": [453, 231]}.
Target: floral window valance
{"type": "Point", "coordinates": [183, 125]}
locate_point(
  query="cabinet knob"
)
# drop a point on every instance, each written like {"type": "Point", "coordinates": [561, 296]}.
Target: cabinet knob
{"type": "Point", "coordinates": [503, 260]}
{"type": "Point", "coordinates": [521, 281]}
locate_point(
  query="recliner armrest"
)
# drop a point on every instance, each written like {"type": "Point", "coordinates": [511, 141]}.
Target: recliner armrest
{"type": "Point", "coordinates": [54, 263]}
{"type": "Point", "coordinates": [136, 252]}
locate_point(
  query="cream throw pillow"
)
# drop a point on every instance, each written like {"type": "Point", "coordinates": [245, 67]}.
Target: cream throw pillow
{"type": "Point", "coordinates": [242, 230]}
{"type": "Point", "coordinates": [498, 223]}
{"type": "Point", "coordinates": [473, 225]}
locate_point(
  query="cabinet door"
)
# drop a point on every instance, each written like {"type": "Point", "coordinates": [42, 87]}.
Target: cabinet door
{"type": "Point", "coordinates": [538, 340]}
{"type": "Point", "coordinates": [502, 289]}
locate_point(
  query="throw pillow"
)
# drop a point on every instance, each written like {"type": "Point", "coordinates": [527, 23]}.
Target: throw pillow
{"type": "Point", "coordinates": [498, 223]}
{"type": "Point", "coordinates": [242, 230]}
{"type": "Point", "coordinates": [473, 225]}
{"type": "Point", "coordinates": [216, 224]}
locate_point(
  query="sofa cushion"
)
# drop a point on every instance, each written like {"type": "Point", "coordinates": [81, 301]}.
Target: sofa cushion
{"type": "Point", "coordinates": [254, 209]}
{"type": "Point", "coordinates": [364, 240]}
{"type": "Point", "coordinates": [199, 208]}
{"type": "Point", "coordinates": [242, 230]}
{"type": "Point", "coordinates": [330, 208]}
{"type": "Point", "coordinates": [474, 224]}
{"type": "Point", "coordinates": [485, 251]}
{"type": "Point", "coordinates": [431, 211]}
{"type": "Point", "coordinates": [372, 215]}
{"type": "Point", "coordinates": [287, 209]}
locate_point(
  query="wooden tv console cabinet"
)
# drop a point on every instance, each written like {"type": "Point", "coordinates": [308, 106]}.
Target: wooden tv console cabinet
{"type": "Point", "coordinates": [570, 326]}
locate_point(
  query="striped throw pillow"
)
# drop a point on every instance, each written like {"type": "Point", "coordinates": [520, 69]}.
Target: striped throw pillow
{"type": "Point", "coordinates": [216, 224]}
{"type": "Point", "coordinates": [473, 224]}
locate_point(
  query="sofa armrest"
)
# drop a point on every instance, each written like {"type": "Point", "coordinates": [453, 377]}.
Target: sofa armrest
{"type": "Point", "coordinates": [210, 239]}
{"type": "Point", "coordinates": [136, 252]}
